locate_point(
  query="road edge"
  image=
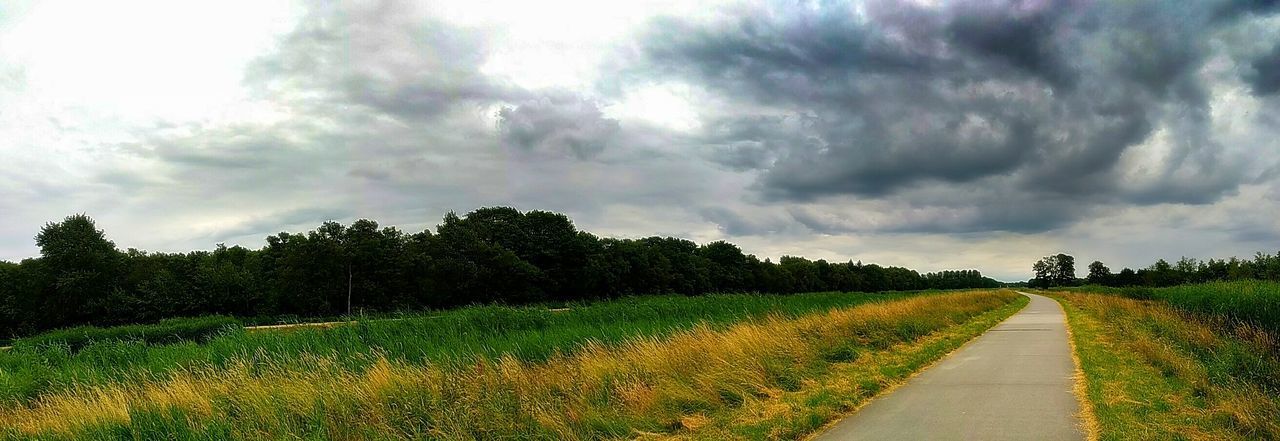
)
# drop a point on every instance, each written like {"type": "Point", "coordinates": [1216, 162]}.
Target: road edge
{"type": "Point", "coordinates": [1080, 387]}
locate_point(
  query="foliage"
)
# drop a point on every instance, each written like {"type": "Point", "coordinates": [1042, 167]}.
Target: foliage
{"type": "Point", "coordinates": [494, 255]}
{"type": "Point", "coordinates": [1055, 270]}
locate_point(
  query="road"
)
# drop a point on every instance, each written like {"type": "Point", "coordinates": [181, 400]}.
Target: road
{"type": "Point", "coordinates": [1012, 383]}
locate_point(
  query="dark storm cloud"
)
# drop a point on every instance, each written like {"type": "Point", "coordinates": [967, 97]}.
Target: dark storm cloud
{"type": "Point", "coordinates": [1233, 9]}
{"type": "Point", "coordinates": [559, 124]}
{"type": "Point", "coordinates": [1025, 41]}
{"type": "Point", "coordinates": [1040, 98]}
{"type": "Point", "coordinates": [1265, 77]}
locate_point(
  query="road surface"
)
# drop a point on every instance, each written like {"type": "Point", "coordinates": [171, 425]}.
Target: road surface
{"type": "Point", "coordinates": [1012, 383]}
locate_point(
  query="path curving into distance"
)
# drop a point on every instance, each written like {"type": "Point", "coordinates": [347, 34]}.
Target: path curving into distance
{"type": "Point", "coordinates": [1013, 382]}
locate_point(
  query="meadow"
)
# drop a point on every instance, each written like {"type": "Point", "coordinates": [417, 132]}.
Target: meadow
{"type": "Point", "coordinates": [620, 369]}
{"type": "Point", "coordinates": [1199, 362]}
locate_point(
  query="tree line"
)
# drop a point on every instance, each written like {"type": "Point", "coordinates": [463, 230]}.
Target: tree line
{"type": "Point", "coordinates": [1059, 270]}
{"type": "Point", "coordinates": [490, 255]}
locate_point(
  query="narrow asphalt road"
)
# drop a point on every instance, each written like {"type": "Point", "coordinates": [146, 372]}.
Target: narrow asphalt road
{"type": "Point", "coordinates": [1012, 383]}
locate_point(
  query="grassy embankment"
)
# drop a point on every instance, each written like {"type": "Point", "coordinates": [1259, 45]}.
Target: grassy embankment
{"type": "Point", "coordinates": [1187, 362]}
{"type": "Point", "coordinates": [615, 369]}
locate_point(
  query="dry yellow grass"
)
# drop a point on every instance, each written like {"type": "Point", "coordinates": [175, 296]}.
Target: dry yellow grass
{"type": "Point", "coordinates": [679, 385]}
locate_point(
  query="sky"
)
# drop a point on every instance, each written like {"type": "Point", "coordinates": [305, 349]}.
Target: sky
{"type": "Point", "coordinates": [928, 134]}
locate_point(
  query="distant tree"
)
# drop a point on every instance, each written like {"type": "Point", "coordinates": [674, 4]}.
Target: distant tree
{"type": "Point", "coordinates": [1160, 273]}
{"type": "Point", "coordinates": [728, 271]}
{"type": "Point", "coordinates": [1065, 272]}
{"type": "Point", "coordinates": [1043, 270]}
{"type": "Point", "coordinates": [1055, 270]}
{"type": "Point", "coordinates": [1099, 273]}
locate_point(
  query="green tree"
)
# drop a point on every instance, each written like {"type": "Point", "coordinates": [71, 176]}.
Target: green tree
{"type": "Point", "coordinates": [82, 267]}
{"type": "Point", "coordinates": [1055, 270]}
{"type": "Point", "coordinates": [1099, 273]}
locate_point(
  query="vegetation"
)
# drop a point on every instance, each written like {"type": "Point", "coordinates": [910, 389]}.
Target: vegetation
{"type": "Point", "coordinates": [491, 255]}
{"type": "Point", "coordinates": [1059, 270]}
{"type": "Point", "coordinates": [43, 365]}
{"type": "Point", "coordinates": [783, 375]}
{"type": "Point", "coordinates": [167, 331]}
{"type": "Point", "coordinates": [1055, 270]}
{"type": "Point", "coordinates": [1251, 301]}
{"type": "Point", "coordinates": [1154, 371]}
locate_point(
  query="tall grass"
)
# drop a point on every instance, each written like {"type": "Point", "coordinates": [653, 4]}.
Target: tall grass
{"type": "Point", "coordinates": [660, 383]}
{"type": "Point", "coordinates": [1252, 301]}
{"type": "Point", "coordinates": [1154, 371]}
{"type": "Point", "coordinates": [166, 331]}
{"type": "Point", "coordinates": [34, 369]}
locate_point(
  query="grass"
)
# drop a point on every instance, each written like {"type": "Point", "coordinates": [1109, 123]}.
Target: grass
{"type": "Point", "coordinates": [166, 331]}
{"type": "Point", "coordinates": [1253, 301]}
{"type": "Point", "coordinates": [737, 375]}
{"type": "Point", "coordinates": [1158, 371]}
{"type": "Point", "coordinates": [32, 369]}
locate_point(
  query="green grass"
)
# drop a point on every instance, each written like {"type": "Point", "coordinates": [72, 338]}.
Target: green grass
{"type": "Point", "coordinates": [1252, 301]}
{"type": "Point", "coordinates": [1162, 373]}
{"type": "Point", "coordinates": [762, 367]}
{"type": "Point", "coordinates": [166, 331]}
{"type": "Point", "coordinates": [36, 367]}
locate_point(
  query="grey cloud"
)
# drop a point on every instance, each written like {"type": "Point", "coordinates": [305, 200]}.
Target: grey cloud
{"type": "Point", "coordinates": [289, 220]}
{"type": "Point", "coordinates": [387, 56]}
{"type": "Point", "coordinates": [388, 115]}
{"type": "Point", "coordinates": [1026, 40]}
{"type": "Point", "coordinates": [1265, 76]}
{"type": "Point", "coordinates": [1233, 9]}
{"type": "Point", "coordinates": [559, 123]}
{"type": "Point", "coordinates": [1042, 99]}
{"type": "Point", "coordinates": [735, 223]}
{"type": "Point", "coordinates": [977, 208]}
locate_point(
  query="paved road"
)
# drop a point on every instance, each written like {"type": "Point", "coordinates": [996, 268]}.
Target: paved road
{"type": "Point", "coordinates": [1012, 383]}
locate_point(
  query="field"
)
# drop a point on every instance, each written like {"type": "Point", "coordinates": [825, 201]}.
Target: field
{"type": "Point", "coordinates": [1197, 362]}
{"type": "Point", "coordinates": [737, 366]}
{"type": "Point", "coordinates": [1253, 301]}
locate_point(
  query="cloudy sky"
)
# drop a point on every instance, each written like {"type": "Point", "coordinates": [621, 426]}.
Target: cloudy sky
{"type": "Point", "coordinates": [929, 134]}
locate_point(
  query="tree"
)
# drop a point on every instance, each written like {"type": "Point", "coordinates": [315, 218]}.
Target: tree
{"type": "Point", "coordinates": [1099, 273]}
{"type": "Point", "coordinates": [1065, 273]}
{"type": "Point", "coordinates": [491, 255]}
{"type": "Point", "coordinates": [1127, 277]}
{"type": "Point", "coordinates": [1055, 270]}
{"type": "Point", "coordinates": [82, 267]}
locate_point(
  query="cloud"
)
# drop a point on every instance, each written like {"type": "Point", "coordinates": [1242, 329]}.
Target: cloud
{"type": "Point", "coordinates": [1043, 100]}
{"type": "Point", "coordinates": [1265, 76]}
{"type": "Point", "coordinates": [561, 123]}
{"type": "Point", "coordinates": [929, 134]}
